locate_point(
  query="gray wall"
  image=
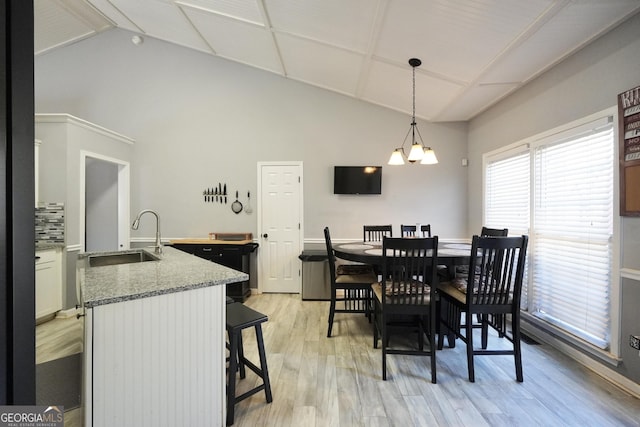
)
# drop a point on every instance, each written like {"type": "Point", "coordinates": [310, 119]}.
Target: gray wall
{"type": "Point", "coordinates": [199, 120]}
{"type": "Point", "coordinates": [62, 143]}
{"type": "Point", "coordinates": [583, 84]}
{"type": "Point", "coordinates": [101, 205]}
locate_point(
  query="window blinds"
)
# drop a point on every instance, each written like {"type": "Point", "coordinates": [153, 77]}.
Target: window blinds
{"type": "Point", "coordinates": [507, 194]}
{"type": "Point", "coordinates": [561, 193]}
{"type": "Point", "coordinates": [573, 226]}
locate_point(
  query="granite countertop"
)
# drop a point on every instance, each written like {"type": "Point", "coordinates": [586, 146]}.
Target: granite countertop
{"type": "Point", "coordinates": [176, 271]}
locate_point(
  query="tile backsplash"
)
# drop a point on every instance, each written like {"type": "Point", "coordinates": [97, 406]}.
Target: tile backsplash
{"type": "Point", "coordinates": [50, 223]}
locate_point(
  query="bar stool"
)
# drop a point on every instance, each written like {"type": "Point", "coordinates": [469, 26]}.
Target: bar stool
{"type": "Point", "coordinates": [240, 317]}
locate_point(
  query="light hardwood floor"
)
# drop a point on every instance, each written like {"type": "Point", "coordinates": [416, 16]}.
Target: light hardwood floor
{"type": "Point", "coordinates": [58, 338]}
{"type": "Point", "coordinates": [320, 381]}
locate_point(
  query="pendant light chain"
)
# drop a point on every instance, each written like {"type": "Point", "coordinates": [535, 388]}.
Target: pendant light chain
{"type": "Point", "coordinates": [413, 116]}
{"type": "Point", "coordinates": [414, 95]}
{"type": "Point", "coordinates": [418, 152]}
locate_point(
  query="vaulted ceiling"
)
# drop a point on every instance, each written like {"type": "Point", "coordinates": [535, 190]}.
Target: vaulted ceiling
{"type": "Point", "coordinates": [473, 52]}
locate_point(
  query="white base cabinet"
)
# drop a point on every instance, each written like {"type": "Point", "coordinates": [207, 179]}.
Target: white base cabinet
{"type": "Point", "coordinates": [48, 282]}
{"type": "Point", "coordinates": [157, 361]}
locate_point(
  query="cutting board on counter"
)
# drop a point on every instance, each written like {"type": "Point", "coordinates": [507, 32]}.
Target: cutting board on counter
{"type": "Point", "coordinates": [218, 238]}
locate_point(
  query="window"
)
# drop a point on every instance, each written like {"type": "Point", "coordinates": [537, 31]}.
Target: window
{"type": "Point", "coordinates": [568, 181]}
{"type": "Point", "coordinates": [507, 197]}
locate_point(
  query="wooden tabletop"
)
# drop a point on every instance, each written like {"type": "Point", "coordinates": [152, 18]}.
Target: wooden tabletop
{"type": "Point", "coordinates": [450, 253]}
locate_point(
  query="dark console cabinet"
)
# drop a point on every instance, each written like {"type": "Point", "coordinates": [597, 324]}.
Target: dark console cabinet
{"type": "Point", "coordinates": [236, 256]}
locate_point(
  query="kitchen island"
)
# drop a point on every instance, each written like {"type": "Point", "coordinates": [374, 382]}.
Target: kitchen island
{"type": "Point", "coordinates": [154, 340]}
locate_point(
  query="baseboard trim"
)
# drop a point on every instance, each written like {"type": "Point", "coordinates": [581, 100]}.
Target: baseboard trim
{"type": "Point", "coordinates": [69, 312]}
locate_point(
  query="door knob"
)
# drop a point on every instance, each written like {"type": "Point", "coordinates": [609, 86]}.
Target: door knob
{"type": "Point", "coordinates": [265, 235]}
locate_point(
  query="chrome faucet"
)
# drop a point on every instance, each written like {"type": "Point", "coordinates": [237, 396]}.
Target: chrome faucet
{"type": "Point", "coordinates": [136, 224]}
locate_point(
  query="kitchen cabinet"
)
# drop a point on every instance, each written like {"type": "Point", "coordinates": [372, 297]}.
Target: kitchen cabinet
{"type": "Point", "coordinates": [234, 255]}
{"type": "Point", "coordinates": [48, 282]}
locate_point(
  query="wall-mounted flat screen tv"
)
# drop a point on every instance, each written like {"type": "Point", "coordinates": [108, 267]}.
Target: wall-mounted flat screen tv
{"type": "Point", "coordinates": [357, 180]}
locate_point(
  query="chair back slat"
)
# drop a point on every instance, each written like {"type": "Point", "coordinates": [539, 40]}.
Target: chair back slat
{"type": "Point", "coordinates": [375, 233]}
{"type": "Point", "coordinates": [496, 272]}
{"type": "Point", "coordinates": [408, 270]}
{"type": "Point", "coordinates": [410, 230]}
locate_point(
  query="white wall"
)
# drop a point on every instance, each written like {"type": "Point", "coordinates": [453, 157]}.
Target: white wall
{"type": "Point", "coordinates": [199, 120]}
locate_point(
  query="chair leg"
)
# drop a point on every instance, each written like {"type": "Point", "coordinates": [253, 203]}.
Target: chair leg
{"type": "Point", "coordinates": [441, 337]}
{"type": "Point", "coordinates": [231, 386]}
{"type": "Point", "coordinates": [443, 327]}
{"type": "Point", "coordinates": [427, 324]}
{"type": "Point", "coordinates": [332, 313]}
{"type": "Point", "coordinates": [376, 335]}
{"type": "Point", "coordinates": [385, 338]}
{"type": "Point", "coordinates": [484, 323]}
{"type": "Point", "coordinates": [517, 348]}
{"type": "Point", "coordinates": [263, 364]}
{"type": "Point", "coordinates": [449, 318]}
{"type": "Point", "coordinates": [469, 339]}
{"type": "Point", "coordinates": [518, 361]}
{"type": "Point", "coordinates": [433, 357]}
{"type": "Point", "coordinates": [241, 365]}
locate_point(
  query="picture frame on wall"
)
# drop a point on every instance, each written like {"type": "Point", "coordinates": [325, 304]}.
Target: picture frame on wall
{"type": "Point", "coordinates": [629, 140]}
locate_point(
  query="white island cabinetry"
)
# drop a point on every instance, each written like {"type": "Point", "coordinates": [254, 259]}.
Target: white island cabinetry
{"type": "Point", "coordinates": [154, 342]}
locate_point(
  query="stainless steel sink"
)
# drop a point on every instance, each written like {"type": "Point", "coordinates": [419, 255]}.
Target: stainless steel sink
{"type": "Point", "coordinates": [123, 257]}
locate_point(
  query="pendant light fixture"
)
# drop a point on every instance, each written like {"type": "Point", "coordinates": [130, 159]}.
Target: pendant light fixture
{"type": "Point", "coordinates": [418, 152]}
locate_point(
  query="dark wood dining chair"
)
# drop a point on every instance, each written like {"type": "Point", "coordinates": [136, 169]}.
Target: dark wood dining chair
{"type": "Point", "coordinates": [410, 230]}
{"type": "Point", "coordinates": [495, 232]}
{"type": "Point", "coordinates": [375, 233]}
{"type": "Point", "coordinates": [350, 286]}
{"type": "Point", "coordinates": [491, 292]}
{"type": "Point", "coordinates": [406, 297]}
{"type": "Point", "coordinates": [461, 271]}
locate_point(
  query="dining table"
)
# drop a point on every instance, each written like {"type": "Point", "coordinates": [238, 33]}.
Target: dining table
{"type": "Point", "coordinates": [450, 254]}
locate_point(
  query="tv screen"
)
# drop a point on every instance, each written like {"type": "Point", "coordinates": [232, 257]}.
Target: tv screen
{"type": "Point", "coordinates": [357, 180]}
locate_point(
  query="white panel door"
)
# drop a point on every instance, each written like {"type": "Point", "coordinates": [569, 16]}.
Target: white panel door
{"type": "Point", "coordinates": [280, 226]}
